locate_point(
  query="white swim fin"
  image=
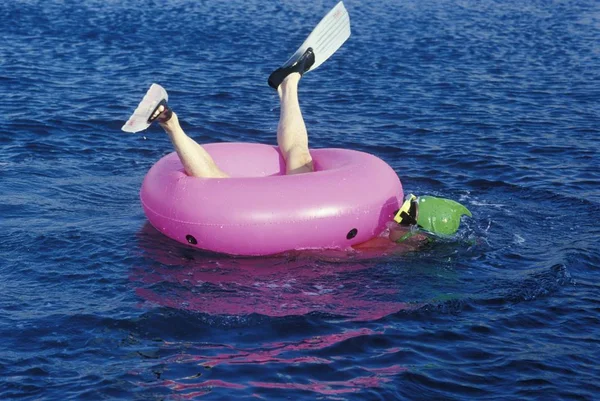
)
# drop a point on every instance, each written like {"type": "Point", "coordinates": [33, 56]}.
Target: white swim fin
{"type": "Point", "coordinates": [328, 36]}
{"type": "Point", "coordinates": [139, 120]}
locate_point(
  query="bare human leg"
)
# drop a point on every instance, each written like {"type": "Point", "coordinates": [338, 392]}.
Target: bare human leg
{"type": "Point", "coordinates": [292, 136]}
{"type": "Point", "coordinates": [196, 161]}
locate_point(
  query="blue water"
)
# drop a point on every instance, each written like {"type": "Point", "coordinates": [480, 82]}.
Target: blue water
{"type": "Point", "coordinates": [492, 103]}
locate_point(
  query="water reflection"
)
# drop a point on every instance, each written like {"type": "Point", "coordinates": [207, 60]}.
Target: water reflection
{"type": "Point", "coordinates": [333, 282]}
{"type": "Point", "coordinates": [343, 287]}
{"type": "Point", "coordinates": [267, 368]}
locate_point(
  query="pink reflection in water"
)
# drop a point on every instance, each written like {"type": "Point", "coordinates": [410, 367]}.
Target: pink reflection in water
{"type": "Point", "coordinates": [273, 287]}
{"type": "Point", "coordinates": [270, 352]}
{"type": "Point", "coordinates": [274, 356]}
{"type": "Point", "coordinates": [329, 387]}
{"type": "Point", "coordinates": [191, 391]}
{"type": "Point", "coordinates": [333, 282]}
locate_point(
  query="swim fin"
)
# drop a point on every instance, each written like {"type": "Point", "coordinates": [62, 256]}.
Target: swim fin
{"type": "Point", "coordinates": [140, 119]}
{"type": "Point", "coordinates": [327, 37]}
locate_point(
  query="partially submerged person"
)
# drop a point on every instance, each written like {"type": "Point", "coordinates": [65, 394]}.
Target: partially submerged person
{"type": "Point", "coordinates": [417, 222]}
{"type": "Point", "coordinates": [414, 222]}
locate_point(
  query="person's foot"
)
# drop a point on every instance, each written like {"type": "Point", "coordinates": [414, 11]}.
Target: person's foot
{"type": "Point", "coordinates": [301, 66]}
{"type": "Point", "coordinates": [162, 113]}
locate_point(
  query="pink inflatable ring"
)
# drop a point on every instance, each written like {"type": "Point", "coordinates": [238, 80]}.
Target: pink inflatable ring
{"type": "Point", "coordinates": [260, 211]}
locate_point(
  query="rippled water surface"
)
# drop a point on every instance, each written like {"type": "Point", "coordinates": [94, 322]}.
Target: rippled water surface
{"type": "Point", "coordinates": [492, 103]}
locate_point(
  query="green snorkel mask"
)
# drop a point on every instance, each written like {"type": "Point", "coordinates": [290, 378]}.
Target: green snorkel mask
{"type": "Point", "coordinates": [437, 215]}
